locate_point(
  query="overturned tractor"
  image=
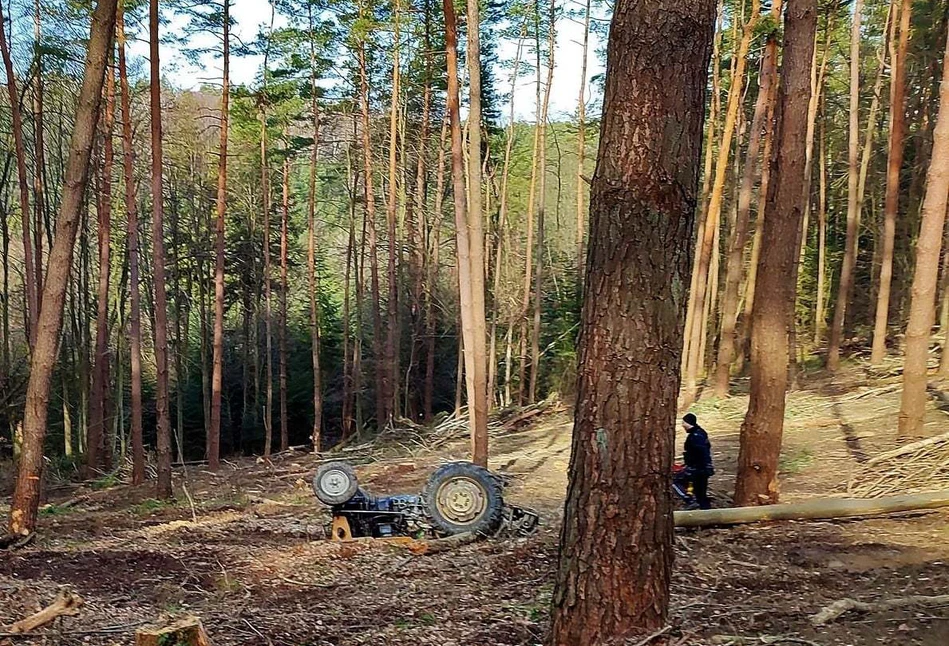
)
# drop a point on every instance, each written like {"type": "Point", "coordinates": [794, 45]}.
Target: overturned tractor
{"type": "Point", "coordinates": [459, 497]}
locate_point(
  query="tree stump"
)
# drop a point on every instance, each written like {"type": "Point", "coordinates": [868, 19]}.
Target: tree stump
{"type": "Point", "coordinates": [184, 632]}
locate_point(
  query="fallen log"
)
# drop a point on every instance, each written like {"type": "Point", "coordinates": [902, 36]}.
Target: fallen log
{"type": "Point", "coordinates": [842, 606]}
{"type": "Point", "coordinates": [442, 544]}
{"type": "Point", "coordinates": [819, 509]}
{"type": "Point", "coordinates": [184, 632]}
{"type": "Point", "coordinates": [66, 604]}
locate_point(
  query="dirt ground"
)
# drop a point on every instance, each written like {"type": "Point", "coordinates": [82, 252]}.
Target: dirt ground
{"type": "Point", "coordinates": [260, 573]}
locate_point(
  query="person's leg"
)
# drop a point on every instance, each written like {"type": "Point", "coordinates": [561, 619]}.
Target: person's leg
{"type": "Point", "coordinates": [700, 490]}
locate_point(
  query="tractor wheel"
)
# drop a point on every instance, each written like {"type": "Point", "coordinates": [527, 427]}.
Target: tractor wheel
{"type": "Point", "coordinates": [462, 497]}
{"type": "Point", "coordinates": [335, 483]}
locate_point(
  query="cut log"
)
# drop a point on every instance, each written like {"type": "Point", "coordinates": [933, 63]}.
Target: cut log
{"type": "Point", "coordinates": [184, 632]}
{"type": "Point", "coordinates": [821, 508]}
{"type": "Point", "coordinates": [66, 604]}
{"type": "Point", "coordinates": [842, 606]}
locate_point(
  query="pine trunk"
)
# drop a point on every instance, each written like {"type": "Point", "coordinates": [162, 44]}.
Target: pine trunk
{"type": "Point", "coordinates": [615, 571]}
{"type": "Point", "coordinates": [313, 281]}
{"type": "Point", "coordinates": [926, 277]}
{"type": "Point", "coordinates": [894, 164]}
{"type": "Point", "coordinates": [774, 290]}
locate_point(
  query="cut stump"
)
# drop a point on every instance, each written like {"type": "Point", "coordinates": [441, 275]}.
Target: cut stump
{"type": "Point", "coordinates": [183, 632]}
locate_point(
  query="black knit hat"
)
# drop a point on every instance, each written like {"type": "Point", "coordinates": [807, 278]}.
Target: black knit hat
{"type": "Point", "coordinates": [690, 419]}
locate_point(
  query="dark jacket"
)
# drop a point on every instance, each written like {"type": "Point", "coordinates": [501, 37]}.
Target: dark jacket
{"type": "Point", "coordinates": [698, 452]}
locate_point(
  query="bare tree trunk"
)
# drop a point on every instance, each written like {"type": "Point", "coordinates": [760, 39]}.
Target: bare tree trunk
{"type": "Point", "coordinates": [29, 280]}
{"type": "Point", "coordinates": [926, 277]}
{"type": "Point", "coordinates": [502, 220]}
{"type": "Point", "coordinates": [541, 210]}
{"type": "Point", "coordinates": [853, 201]}
{"type": "Point", "coordinates": [26, 495]}
{"type": "Point", "coordinates": [39, 146]}
{"type": "Point", "coordinates": [352, 183]}
{"type": "Point", "coordinates": [284, 286]}
{"type": "Point", "coordinates": [268, 292]}
{"type": "Point", "coordinates": [728, 339]}
{"type": "Point", "coordinates": [131, 209]}
{"type": "Point", "coordinates": [158, 253]}
{"type": "Point", "coordinates": [820, 319]}
{"type": "Point", "coordinates": [377, 332]}
{"type": "Point", "coordinates": [430, 317]}
{"type": "Point", "coordinates": [695, 359]}
{"type": "Point", "coordinates": [390, 378]}
{"type": "Point", "coordinates": [616, 539]}
{"type": "Point", "coordinates": [774, 291]}
{"type": "Point", "coordinates": [581, 140]}
{"type": "Point", "coordinates": [311, 251]}
{"type": "Point", "coordinates": [894, 164]}
{"type": "Point", "coordinates": [95, 442]}
{"type": "Point", "coordinates": [213, 448]}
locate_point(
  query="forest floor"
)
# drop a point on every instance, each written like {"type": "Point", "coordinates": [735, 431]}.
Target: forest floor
{"type": "Point", "coordinates": [248, 556]}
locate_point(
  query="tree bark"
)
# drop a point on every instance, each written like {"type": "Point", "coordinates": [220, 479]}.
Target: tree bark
{"type": "Point", "coordinates": [158, 253]}
{"type": "Point", "coordinates": [926, 277]}
{"type": "Point", "coordinates": [853, 201]}
{"type": "Point", "coordinates": [311, 250]}
{"type": "Point", "coordinates": [29, 280]}
{"type": "Point", "coordinates": [894, 164]}
{"type": "Point", "coordinates": [774, 291]}
{"type": "Point", "coordinates": [95, 441]}
{"type": "Point", "coordinates": [728, 339]}
{"type": "Point", "coordinates": [616, 539]}
{"type": "Point", "coordinates": [213, 448]}
{"type": "Point", "coordinates": [390, 378]}
{"type": "Point", "coordinates": [284, 287]}
{"type": "Point", "coordinates": [25, 502]}
{"type": "Point", "coordinates": [475, 351]}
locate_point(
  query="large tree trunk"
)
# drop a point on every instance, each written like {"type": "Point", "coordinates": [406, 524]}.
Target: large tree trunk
{"type": "Point", "coordinates": [728, 339]}
{"type": "Point", "coordinates": [853, 202]}
{"type": "Point", "coordinates": [774, 291]}
{"type": "Point", "coordinates": [471, 245]}
{"type": "Point", "coordinates": [213, 444]}
{"type": "Point", "coordinates": [616, 540]}
{"type": "Point", "coordinates": [894, 163]}
{"type": "Point", "coordinates": [25, 502]}
{"type": "Point", "coordinates": [131, 210]}
{"type": "Point", "coordinates": [926, 277]}
{"type": "Point", "coordinates": [311, 250]}
{"type": "Point", "coordinates": [95, 437]}
{"type": "Point", "coordinates": [158, 276]}
{"type": "Point", "coordinates": [29, 279]}
{"type": "Point", "coordinates": [695, 359]}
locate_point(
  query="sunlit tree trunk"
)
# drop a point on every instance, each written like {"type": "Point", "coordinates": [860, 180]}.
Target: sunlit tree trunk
{"type": "Point", "coordinates": [213, 444]}
{"type": "Point", "coordinates": [894, 164]}
{"type": "Point", "coordinates": [616, 542]}
{"type": "Point", "coordinates": [774, 290]}
{"type": "Point", "coordinates": [390, 373]}
{"type": "Point", "coordinates": [926, 277]}
{"type": "Point", "coordinates": [581, 140]}
{"type": "Point", "coordinates": [26, 495]}
{"type": "Point", "coordinates": [695, 360]}
{"type": "Point", "coordinates": [313, 280]}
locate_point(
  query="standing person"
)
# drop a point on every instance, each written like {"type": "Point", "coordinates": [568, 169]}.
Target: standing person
{"type": "Point", "coordinates": [698, 460]}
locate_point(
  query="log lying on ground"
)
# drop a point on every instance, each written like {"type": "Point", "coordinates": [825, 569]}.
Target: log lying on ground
{"type": "Point", "coordinates": [442, 544]}
{"type": "Point", "coordinates": [184, 632]}
{"type": "Point", "coordinates": [842, 606]}
{"type": "Point", "coordinates": [822, 508]}
{"type": "Point", "coordinates": [66, 604]}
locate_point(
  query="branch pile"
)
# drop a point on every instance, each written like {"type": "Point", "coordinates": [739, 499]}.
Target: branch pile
{"type": "Point", "coordinates": [912, 468]}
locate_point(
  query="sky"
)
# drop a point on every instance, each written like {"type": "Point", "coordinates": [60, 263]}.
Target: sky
{"type": "Point", "coordinates": [252, 15]}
